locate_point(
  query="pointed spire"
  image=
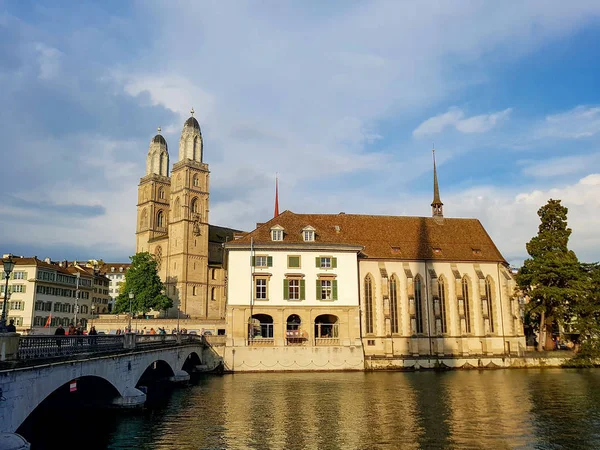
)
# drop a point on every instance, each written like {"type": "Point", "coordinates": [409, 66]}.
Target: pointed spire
{"type": "Point", "coordinates": [436, 205]}
{"type": "Point", "coordinates": [276, 213]}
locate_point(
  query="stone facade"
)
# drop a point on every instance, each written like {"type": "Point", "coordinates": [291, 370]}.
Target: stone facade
{"type": "Point", "coordinates": [172, 224]}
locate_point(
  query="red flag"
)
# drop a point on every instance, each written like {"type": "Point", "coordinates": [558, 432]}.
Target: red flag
{"type": "Point", "coordinates": [48, 321]}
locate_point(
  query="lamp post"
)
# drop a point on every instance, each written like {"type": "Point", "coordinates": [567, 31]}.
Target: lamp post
{"type": "Point", "coordinates": [131, 296]}
{"type": "Point", "coordinates": [93, 312]}
{"type": "Point", "coordinates": [9, 265]}
{"type": "Point", "coordinates": [76, 309]}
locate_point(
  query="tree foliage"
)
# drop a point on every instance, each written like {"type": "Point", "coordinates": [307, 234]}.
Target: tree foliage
{"type": "Point", "coordinates": [142, 279]}
{"type": "Point", "coordinates": [552, 277]}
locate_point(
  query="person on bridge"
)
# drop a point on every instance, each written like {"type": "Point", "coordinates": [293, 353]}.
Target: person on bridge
{"type": "Point", "coordinates": [10, 328]}
{"type": "Point", "coordinates": [152, 331]}
{"type": "Point", "coordinates": [60, 331]}
{"type": "Point", "coordinates": [72, 331]}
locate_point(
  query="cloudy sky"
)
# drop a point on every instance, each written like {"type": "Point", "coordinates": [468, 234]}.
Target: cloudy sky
{"type": "Point", "coordinates": [344, 99]}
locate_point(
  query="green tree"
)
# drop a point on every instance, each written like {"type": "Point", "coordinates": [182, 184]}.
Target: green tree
{"type": "Point", "coordinates": [142, 279]}
{"type": "Point", "coordinates": [552, 278]}
{"type": "Point", "coordinates": [587, 310]}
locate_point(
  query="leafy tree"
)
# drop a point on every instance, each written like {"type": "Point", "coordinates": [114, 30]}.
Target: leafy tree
{"type": "Point", "coordinates": [586, 311]}
{"type": "Point", "coordinates": [142, 279]}
{"type": "Point", "coordinates": [552, 278]}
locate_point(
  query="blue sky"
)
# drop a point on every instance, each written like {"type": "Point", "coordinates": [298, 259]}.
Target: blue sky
{"type": "Point", "coordinates": [343, 99]}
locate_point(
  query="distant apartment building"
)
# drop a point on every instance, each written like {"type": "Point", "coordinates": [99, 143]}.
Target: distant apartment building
{"type": "Point", "coordinates": [46, 292]}
{"type": "Point", "coordinates": [115, 273]}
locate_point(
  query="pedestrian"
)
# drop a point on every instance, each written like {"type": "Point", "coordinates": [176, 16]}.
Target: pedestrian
{"type": "Point", "coordinates": [94, 338]}
{"type": "Point", "coordinates": [152, 331]}
{"type": "Point", "coordinates": [10, 328]}
{"type": "Point", "coordinates": [60, 331]}
{"type": "Point", "coordinates": [72, 331]}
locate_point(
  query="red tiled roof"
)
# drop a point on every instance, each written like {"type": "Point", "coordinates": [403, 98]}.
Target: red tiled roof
{"type": "Point", "coordinates": [385, 237]}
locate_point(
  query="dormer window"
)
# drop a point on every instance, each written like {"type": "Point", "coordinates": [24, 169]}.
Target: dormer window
{"type": "Point", "coordinates": [277, 233]}
{"type": "Point", "coordinates": [308, 234]}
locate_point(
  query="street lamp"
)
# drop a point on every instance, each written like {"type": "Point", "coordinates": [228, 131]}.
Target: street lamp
{"type": "Point", "coordinates": [9, 265]}
{"type": "Point", "coordinates": [76, 309]}
{"type": "Point", "coordinates": [93, 311]}
{"type": "Point", "coordinates": [131, 296]}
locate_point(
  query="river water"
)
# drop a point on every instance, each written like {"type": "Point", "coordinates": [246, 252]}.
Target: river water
{"type": "Point", "coordinates": [541, 409]}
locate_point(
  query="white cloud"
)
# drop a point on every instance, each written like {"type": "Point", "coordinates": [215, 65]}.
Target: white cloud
{"type": "Point", "coordinates": [455, 117]}
{"type": "Point", "coordinates": [580, 122]}
{"type": "Point", "coordinates": [561, 166]}
{"type": "Point", "coordinates": [48, 60]}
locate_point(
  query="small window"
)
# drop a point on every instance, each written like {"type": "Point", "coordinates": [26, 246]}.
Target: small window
{"type": "Point", "coordinates": [309, 235]}
{"type": "Point", "coordinates": [277, 235]}
{"type": "Point", "coordinates": [370, 341]}
{"type": "Point", "coordinates": [293, 262]}
{"type": "Point", "coordinates": [325, 289]}
{"type": "Point", "coordinates": [437, 250]}
{"type": "Point", "coordinates": [476, 251]}
{"type": "Point", "coordinates": [260, 288]}
{"type": "Point", "coordinates": [261, 261]}
{"type": "Point", "coordinates": [326, 262]}
{"type": "Point", "coordinates": [294, 289]}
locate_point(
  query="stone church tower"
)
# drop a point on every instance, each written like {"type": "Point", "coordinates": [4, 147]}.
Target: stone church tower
{"type": "Point", "coordinates": [172, 224]}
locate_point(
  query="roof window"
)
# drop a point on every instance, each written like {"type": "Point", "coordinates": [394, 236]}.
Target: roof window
{"type": "Point", "coordinates": [308, 234]}
{"type": "Point", "coordinates": [277, 233]}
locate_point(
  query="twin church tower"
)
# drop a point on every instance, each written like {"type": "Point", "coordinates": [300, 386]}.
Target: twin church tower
{"type": "Point", "coordinates": [172, 224]}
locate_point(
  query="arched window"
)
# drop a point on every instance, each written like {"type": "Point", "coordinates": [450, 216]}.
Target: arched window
{"type": "Point", "coordinates": [489, 295]}
{"type": "Point", "coordinates": [293, 322]}
{"type": "Point", "coordinates": [161, 193]}
{"type": "Point", "coordinates": [326, 329]}
{"type": "Point", "coordinates": [369, 322]}
{"type": "Point", "coordinates": [419, 304]}
{"type": "Point", "coordinates": [213, 273]}
{"type": "Point", "coordinates": [144, 219]}
{"type": "Point", "coordinates": [194, 291]}
{"type": "Point", "coordinates": [160, 164]}
{"type": "Point", "coordinates": [260, 326]}
{"type": "Point", "coordinates": [176, 208]}
{"type": "Point", "coordinates": [195, 150]}
{"type": "Point", "coordinates": [466, 300]}
{"type": "Point", "coordinates": [195, 181]}
{"type": "Point", "coordinates": [442, 306]}
{"type": "Point", "coordinates": [194, 205]}
{"type": "Point", "coordinates": [393, 285]}
{"type": "Point", "coordinates": [158, 256]}
{"type": "Point", "coordinates": [213, 293]}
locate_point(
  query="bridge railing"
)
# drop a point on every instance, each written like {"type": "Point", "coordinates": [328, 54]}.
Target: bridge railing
{"type": "Point", "coordinates": [41, 347]}
{"type": "Point", "coordinates": [151, 340]}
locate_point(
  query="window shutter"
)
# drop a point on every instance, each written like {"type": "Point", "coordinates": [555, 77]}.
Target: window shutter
{"type": "Point", "coordinates": [318, 262]}
{"type": "Point", "coordinates": [302, 290]}
{"type": "Point", "coordinates": [25, 275]}
{"type": "Point", "coordinates": [269, 261]}
{"type": "Point", "coordinates": [318, 294]}
{"type": "Point", "coordinates": [24, 288]}
{"type": "Point", "coordinates": [334, 289]}
{"type": "Point", "coordinates": [253, 261]}
{"type": "Point", "coordinates": [286, 289]}
{"type": "Point", "coordinates": [333, 263]}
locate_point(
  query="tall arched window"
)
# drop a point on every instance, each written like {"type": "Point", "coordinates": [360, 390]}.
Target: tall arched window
{"type": "Point", "coordinates": [158, 256]}
{"type": "Point", "coordinates": [195, 154]}
{"type": "Point", "coordinates": [194, 205]}
{"type": "Point", "coordinates": [369, 304]}
{"type": "Point", "coordinates": [160, 220]}
{"type": "Point", "coordinates": [213, 293]}
{"type": "Point", "coordinates": [196, 181]}
{"type": "Point", "coordinates": [419, 303]}
{"type": "Point", "coordinates": [161, 193]}
{"type": "Point", "coordinates": [393, 284]}
{"type": "Point", "coordinates": [442, 295]}
{"type": "Point", "coordinates": [177, 209]}
{"type": "Point", "coordinates": [466, 300]}
{"type": "Point", "coordinates": [194, 291]}
{"type": "Point", "coordinates": [161, 165]}
{"type": "Point", "coordinates": [144, 219]}
{"type": "Point", "coordinates": [489, 294]}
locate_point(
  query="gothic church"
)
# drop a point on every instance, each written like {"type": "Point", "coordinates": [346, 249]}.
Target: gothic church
{"type": "Point", "coordinates": [172, 224]}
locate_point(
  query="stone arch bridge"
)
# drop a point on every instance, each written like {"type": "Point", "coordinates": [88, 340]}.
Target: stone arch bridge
{"type": "Point", "coordinates": [37, 366]}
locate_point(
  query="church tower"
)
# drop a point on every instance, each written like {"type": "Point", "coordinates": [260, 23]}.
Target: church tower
{"type": "Point", "coordinates": [187, 271]}
{"type": "Point", "coordinates": [437, 207]}
{"type": "Point", "coordinates": [153, 195]}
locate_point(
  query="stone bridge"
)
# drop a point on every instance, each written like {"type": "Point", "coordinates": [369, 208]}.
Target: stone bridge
{"type": "Point", "coordinates": [34, 367]}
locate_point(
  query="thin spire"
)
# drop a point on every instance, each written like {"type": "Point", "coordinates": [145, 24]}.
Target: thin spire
{"type": "Point", "coordinates": [276, 213]}
{"type": "Point", "coordinates": [436, 205]}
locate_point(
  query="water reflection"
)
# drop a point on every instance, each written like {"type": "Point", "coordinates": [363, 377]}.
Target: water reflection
{"type": "Point", "coordinates": [542, 409]}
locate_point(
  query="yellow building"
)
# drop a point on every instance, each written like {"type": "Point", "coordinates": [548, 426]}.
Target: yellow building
{"type": "Point", "coordinates": [172, 224]}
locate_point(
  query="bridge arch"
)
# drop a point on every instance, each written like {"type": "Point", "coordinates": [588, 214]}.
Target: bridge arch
{"type": "Point", "coordinates": [158, 370]}
{"type": "Point", "coordinates": [192, 360]}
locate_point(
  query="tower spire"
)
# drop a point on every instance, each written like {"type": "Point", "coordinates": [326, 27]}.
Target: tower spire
{"type": "Point", "coordinates": [276, 212]}
{"type": "Point", "coordinates": [436, 205]}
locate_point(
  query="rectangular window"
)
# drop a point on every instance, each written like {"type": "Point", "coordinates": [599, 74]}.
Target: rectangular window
{"type": "Point", "coordinates": [326, 262]}
{"type": "Point", "coordinates": [18, 288]}
{"type": "Point", "coordinates": [260, 261]}
{"type": "Point", "coordinates": [260, 288]}
{"type": "Point", "coordinates": [325, 289]}
{"type": "Point", "coordinates": [19, 275]}
{"type": "Point", "coordinates": [277, 235]}
{"type": "Point", "coordinates": [294, 290]}
{"type": "Point", "coordinates": [309, 235]}
{"type": "Point", "coordinates": [293, 262]}
{"type": "Point", "coordinates": [370, 341]}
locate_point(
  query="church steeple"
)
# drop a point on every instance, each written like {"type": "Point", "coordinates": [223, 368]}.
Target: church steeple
{"type": "Point", "coordinates": [157, 161]}
{"type": "Point", "coordinates": [190, 143]}
{"type": "Point", "coordinates": [437, 209]}
{"type": "Point", "coordinates": [276, 212]}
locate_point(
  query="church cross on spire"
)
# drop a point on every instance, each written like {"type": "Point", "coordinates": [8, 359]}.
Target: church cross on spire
{"type": "Point", "coordinates": [437, 205]}
{"type": "Point", "coordinates": [159, 130]}
{"type": "Point", "coordinates": [192, 111]}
